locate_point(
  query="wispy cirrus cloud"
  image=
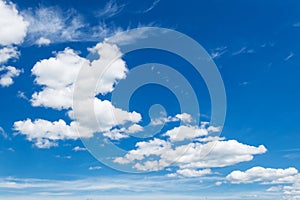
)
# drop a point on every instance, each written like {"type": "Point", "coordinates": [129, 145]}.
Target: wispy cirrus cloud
{"type": "Point", "coordinates": [291, 55]}
{"type": "Point", "coordinates": [3, 133]}
{"type": "Point", "coordinates": [111, 9]}
{"type": "Point", "coordinates": [243, 50]}
{"type": "Point", "coordinates": [48, 25]}
{"type": "Point", "coordinates": [218, 52]}
{"type": "Point", "coordinates": [154, 4]}
{"type": "Point", "coordinates": [128, 187]}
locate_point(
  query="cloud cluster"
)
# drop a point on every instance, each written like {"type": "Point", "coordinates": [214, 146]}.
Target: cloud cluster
{"type": "Point", "coordinates": [265, 175]}
{"type": "Point", "coordinates": [191, 157]}
{"type": "Point", "coordinates": [285, 181]}
{"type": "Point", "coordinates": [192, 149]}
{"type": "Point", "coordinates": [57, 76]}
{"type": "Point", "coordinates": [13, 31]}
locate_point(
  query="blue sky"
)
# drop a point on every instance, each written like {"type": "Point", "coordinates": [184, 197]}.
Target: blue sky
{"type": "Point", "coordinates": [71, 127]}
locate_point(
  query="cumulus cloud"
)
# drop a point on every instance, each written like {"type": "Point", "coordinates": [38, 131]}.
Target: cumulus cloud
{"type": "Point", "coordinates": [13, 26]}
{"type": "Point", "coordinates": [45, 133]}
{"type": "Point", "coordinates": [145, 149]}
{"type": "Point", "coordinates": [292, 192]}
{"type": "Point", "coordinates": [192, 156]}
{"type": "Point", "coordinates": [77, 148]}
{"type": "Point", "coordinates": [117, 134]}
{"type": "Point", "coordinates": [184, 132]}
{"type": "Point", "coordinates": [184, 117]}
{"type": "Point", "coordinates": [9, 72]}
{"type": "Point", "coordinates": [46, 98]}
{"type": "Point", "coordinates": [260, 174]}
{"type": "Point", "coordinates": [190, 173]}
{"type": "Point", "coordinates": [13, 31]}
{"type": "Point", "coordinates": [7, 53]}
{"type": "Point", "coordinates": [59, 71]}
{"type": "Point", "coordinates": [43, 41]}
{"type": "Point", "coordinates": [285, 181]}
{"type": "Point", "coordinates": [57, 76]}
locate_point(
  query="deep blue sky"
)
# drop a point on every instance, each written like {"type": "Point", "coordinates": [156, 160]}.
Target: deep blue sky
{"type": "Point", "coordinates": [254, 44]}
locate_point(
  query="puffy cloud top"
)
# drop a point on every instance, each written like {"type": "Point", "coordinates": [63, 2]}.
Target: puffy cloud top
{"type": "Point", "coordinates": [13, 31]}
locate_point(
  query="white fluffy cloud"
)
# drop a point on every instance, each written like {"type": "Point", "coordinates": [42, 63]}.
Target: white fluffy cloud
{"type": "Point", "coordinates": [45, 134]}
{"type": "Point", "coordinates": [192, 156]}
{"type": "Point", "coordinates": [145, 149]}
{"type": "Point", "coordinates": [220, 154]}
{"type": "Point", "coordinates": [190, 173]}
{"type": "Point", "coordinates": [117, 134]}
{"type": "Point", "coordinates": [6, 79]}
{"type": "Point", "coordinates": [63, 98]}
{"type": "Point", "coordinates": [13, 26]}
{"type": "Point", "coordinates": [184, 132]}
{"type": "Point", "coordinates": [7, 53]}
{"type": "Point", "coordinates": [265, 175]}
{"type": "Point", "coordinates": [57, 76]}
{"type": "Point", "coordinates": [13, 31]}
{"type": "Point", "coordinates": [284, 181]}
{"type": "Point", "coordinates": [77, 148]}
{"type": "Point", "coordinates": [59, 71]}
{"type": "Point", "coordinates": [43, 41]}
{"type": "Point", "coordinates": [184, 117]}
